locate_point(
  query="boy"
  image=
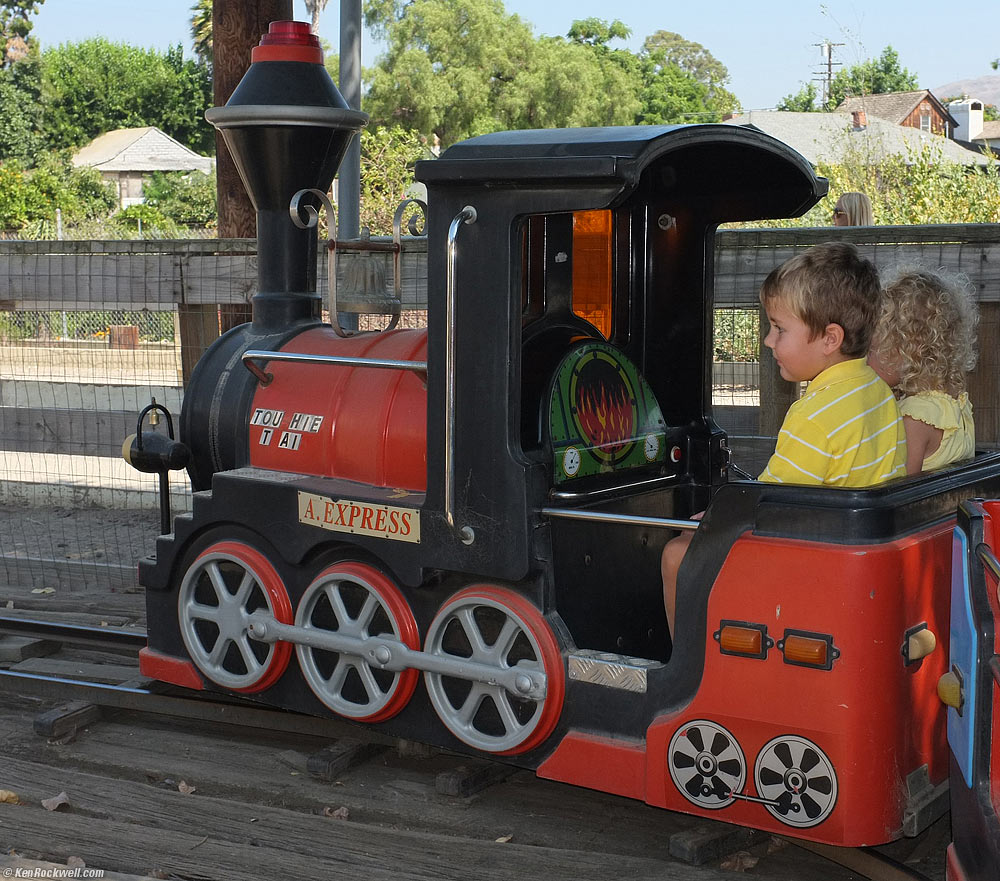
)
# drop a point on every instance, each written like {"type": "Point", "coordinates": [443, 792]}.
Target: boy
{"type": "Point", "coordinates": [845, 430]}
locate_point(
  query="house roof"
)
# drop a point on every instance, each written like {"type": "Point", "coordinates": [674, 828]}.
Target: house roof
{"type": "Point", "coordinates": [832, 138]}
{"type": "Point", "coordinates": [139, 150]}
{"type": "Point", "coordinates": [990, 132]}
{"type": "Point", "coordinates": [893, 106]}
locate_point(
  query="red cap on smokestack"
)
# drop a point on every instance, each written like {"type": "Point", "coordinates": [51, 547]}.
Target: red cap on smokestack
{"type": "Point", "coordinates": [288, 41]}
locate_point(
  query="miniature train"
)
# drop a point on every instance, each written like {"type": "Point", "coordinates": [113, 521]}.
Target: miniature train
{"type": "Point", "coordinates": [453, 534]}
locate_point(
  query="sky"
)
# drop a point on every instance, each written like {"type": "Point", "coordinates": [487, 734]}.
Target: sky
{"type": "Point", "coordinates": [768, 46]}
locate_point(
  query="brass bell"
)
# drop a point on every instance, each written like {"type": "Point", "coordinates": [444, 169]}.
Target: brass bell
{"type": "Point", "coordinates": [364, 288]}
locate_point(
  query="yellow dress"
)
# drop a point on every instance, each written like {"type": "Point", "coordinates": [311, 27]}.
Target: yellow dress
{"type": "Point", "coordinates": [953, 416]}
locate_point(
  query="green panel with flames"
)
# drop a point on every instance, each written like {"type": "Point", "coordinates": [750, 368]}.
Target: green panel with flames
{"type": "Point", "coordinates": [603, 417]}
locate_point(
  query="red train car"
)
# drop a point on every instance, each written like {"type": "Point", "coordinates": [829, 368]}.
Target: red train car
{"type": "Point", "coordinates": [454, 534]}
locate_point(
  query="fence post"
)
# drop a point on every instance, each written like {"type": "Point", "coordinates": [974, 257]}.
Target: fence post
{"type": "Point", "coordinates": [984, 381]}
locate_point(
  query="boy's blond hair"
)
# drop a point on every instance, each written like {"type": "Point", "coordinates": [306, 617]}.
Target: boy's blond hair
{"type": "Point", "coordinates": [927, 330]}
{"type": "Point", "coordinates": [829, 284]}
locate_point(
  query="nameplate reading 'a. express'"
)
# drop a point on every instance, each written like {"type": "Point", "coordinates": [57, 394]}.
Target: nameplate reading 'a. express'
{"type": "Point", "coordinates": [360, 518]}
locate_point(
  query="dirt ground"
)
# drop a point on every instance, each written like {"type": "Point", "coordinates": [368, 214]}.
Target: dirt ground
{"type": "Point", "coordinates": [74, 548]}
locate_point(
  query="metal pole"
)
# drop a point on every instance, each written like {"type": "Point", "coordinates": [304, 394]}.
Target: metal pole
{"type": "Point", "coordinates": [349, 180]}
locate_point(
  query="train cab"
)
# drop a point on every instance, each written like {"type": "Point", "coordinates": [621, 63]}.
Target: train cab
{"type": "Point", "coordinates": [454, 534]}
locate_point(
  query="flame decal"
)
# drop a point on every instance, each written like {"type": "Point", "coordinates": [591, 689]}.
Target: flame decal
{"type": "Point", "coordinates": [605, 415]}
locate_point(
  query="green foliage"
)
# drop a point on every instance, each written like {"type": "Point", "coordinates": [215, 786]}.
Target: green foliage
{"type": "Point", "coordinates": [15, 25]}
{"type": "Point", "coordinates": [671, 95]}
{"type": "Point", "coordinates": [145, 221]}
{"type": "Point", "coordinates": [201, 30]}
{"type": "Point", "coordinates": [917, 188]}
{"type": "Point", "coordinates": [186, 198]}
{"type": "Point", "coordinates": [803, 101]}
{"type": "Point", "coordinates": [20, 111]}
{"type": "Point", "coordinates": [670, 49]}
{"type": "Point", "coordinates": [448, 67]}
{"type": "Point", "coordinates": [990, 113]}
{"type": "Point", "coordinates": [458, 68]}
{"type": "Point", "coordinates": [84, 325]}
{"type": "Point", "coordinates": [872, 77]}
{"type": "Point", "coordinates": [387, 159]}
{"type": "Point", "coordinates": [29, 198]}
{"type": "Point", "coordinates": [736, 335]}
{"type": "Point", "coordinates": [96, 86]}
{"type": "Point", "coordinates": [597, 32]}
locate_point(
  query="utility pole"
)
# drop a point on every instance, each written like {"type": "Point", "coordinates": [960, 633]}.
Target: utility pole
{"type": "Point", "coordinates": [825, 74]}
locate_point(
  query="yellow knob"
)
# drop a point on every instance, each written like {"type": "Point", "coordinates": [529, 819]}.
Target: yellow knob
{"type": "Point", "coordinates": [127, 448]}
{"type": "Point", "coordinates": [921, 644]}
{"type": "Point", "coordinates": [949, 689]}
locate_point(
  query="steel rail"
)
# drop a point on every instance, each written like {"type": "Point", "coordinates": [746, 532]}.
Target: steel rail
{"type": "Point", "coordinates": [863, 860]}
{"type": "Point", "coordinates": [107, 638]}
{"type": "Point", "coordinates": [146, 699]}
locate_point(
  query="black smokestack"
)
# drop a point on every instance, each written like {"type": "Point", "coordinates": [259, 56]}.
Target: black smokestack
{"type": "Point", "coordinates": [288, 128]}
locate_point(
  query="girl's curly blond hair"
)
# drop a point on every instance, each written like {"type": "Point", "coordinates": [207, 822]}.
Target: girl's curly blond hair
{"type": "Point", "coordinates": [927, 330]}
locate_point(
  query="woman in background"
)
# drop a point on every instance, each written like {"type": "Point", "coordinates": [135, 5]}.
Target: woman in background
{"type": "Point", "coordinates": [853, 209]}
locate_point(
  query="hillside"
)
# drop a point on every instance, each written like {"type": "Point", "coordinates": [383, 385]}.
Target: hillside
{"type": "Point", "coordinates": [985, 88]}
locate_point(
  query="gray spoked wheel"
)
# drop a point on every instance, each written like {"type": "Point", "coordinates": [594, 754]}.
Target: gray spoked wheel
{"type": "Point", "coordinates": [227, 583]}
{"type": "Point", "coordinates": [353, 599]}
{"type": "Point", "coordinates": [798, 779]}
{"type": "Point", "coordinates": [706, 764]}
{"type": "Point", "coordinates": [497, 628]}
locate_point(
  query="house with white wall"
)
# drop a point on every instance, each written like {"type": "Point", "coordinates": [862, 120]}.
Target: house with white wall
{"type": "Point", "coordinates": [127, 157]}
{"type": "Point", "coordinates": [971, 127]}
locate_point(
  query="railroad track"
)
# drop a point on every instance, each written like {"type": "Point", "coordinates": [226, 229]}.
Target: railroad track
{"type": "Point", "coordinates": [149, 696]}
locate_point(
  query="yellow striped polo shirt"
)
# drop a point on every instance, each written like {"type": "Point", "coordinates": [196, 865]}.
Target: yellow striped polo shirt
{"type": "Point", "coordinates": [844, 431]}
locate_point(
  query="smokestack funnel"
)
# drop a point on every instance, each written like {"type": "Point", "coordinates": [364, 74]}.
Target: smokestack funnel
{"type": "Point", "coordinates": [287, 127]}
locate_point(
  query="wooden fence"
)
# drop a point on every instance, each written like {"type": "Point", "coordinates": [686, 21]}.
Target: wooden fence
{"type": "Point", "coordinates": [193, 277]}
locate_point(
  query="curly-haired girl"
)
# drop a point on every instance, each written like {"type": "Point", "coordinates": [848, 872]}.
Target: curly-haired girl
{"type": "Point", "coordinates": [924, 344]}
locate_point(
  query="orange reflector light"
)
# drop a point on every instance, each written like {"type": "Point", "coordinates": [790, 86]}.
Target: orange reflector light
{"type": "Point", "coordinates": [743, 638]}
{"type": "Point", "coordinates": [806, 650]}
{"type": "Point", "coordinates": [740, 640]}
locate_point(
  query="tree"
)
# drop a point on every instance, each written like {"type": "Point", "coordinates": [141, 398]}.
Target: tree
{"type": "Point", "coordinates": [668, 48]}
{"type": "Point", "coordinates": [186, 198]}
{"type": "Point", "coordinates": [567, 83]}
{"type": "Point", "coordinates": [314, 8]}
{"type": "Point", "coordinates": [803, 101]}
{"type": "Point", "coordinates": [597, 32]}
{"type": "Point", "coordinates": [387, 159]}
{"type": "Point", "coordinates": [457, 68]}
{"type": "Point", "coordinates": [21, 110]}
{"type": "Point", "coordinates": [32, 196]}
{"type": "Point", "coordinates": [96, 86]}
{"type": "Point", "coordinates": [201, 30]}
{"type": "Point", "coordinates": [872, 77]}
{"type": "Point", "coordinates": [448, 65]}
{"type": "Point", "coordinates": [15, 26]}
{"type": "Point", "coordinates": [671, 95]}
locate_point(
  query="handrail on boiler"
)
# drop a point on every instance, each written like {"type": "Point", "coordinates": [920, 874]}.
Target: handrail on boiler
{"type": "Point", "coordinates": [251, 355]}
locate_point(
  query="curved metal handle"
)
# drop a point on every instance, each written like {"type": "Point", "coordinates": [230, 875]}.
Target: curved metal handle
{"type": "Point", "coordinates": [466, 534]}
{"type": "Point", "coordinates": [156, 408]}
{"type": "Point", "coordinates": [415, 225]}
{"type": "Point", "coordinates": [296, 206]}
